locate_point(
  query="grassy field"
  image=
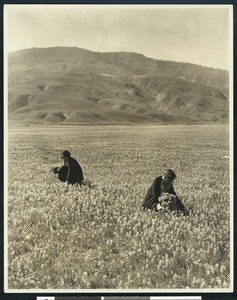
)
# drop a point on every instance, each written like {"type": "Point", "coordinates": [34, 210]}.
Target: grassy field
{"type": "Point", "coordinates": [100, 238]}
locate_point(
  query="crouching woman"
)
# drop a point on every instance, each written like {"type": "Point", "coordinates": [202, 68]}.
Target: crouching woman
{"type": "Point", "coordinates": [159, 186]}
{"type": "Point", "coordinates": [71, 172]}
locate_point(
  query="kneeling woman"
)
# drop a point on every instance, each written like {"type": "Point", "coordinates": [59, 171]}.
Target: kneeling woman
{"type": "Point", "coordinates": [71, 171]}
{"type": "Point", "coordinates": [161, 184]}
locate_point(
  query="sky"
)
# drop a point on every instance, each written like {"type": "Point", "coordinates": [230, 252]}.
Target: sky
{"type": "Point", "coordinates": [200, 34]}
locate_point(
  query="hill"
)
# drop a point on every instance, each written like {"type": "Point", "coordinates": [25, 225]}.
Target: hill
{"type": "Point", "coordinates": [69, 85]}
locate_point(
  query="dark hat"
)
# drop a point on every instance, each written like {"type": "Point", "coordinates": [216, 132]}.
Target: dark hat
{"type": "Point", "coordinates": [170, 174]}
{"type": "Point", "coordinates": [65, 153]}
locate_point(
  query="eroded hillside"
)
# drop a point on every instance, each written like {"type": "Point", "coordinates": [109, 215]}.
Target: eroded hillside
{"type": "Point", "coordinates": [75, 86]}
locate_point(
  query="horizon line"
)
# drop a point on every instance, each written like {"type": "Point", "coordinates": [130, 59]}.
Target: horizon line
{"type": "Point", "coordinates": [119, 51]}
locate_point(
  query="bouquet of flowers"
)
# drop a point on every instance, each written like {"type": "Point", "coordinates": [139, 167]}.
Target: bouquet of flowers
{"type": "Point", "coordinates": [167, 202]}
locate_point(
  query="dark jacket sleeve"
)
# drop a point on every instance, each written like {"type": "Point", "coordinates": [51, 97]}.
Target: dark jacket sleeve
{"type": "Point", "coordinates": [155, 187]}
{"type": "Point", "coordinates": [171, 191]}
{"type": "Point", "coordinates": [69, 171]}
{"type": "Point", "coordinates": [66, 163]}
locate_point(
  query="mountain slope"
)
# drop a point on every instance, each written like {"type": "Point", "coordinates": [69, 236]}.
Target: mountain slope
{"type": "Point", "coordinates": [76, 86]}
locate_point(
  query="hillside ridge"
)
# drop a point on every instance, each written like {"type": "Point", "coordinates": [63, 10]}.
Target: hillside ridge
{"type": "Point", "coordinates": [70, 85]}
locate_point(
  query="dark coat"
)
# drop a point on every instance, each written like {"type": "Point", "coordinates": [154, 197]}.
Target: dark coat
{"type": "Point", "coordinates": [73, 172]}
{"type": "Point", "coordinates": [154, 192]}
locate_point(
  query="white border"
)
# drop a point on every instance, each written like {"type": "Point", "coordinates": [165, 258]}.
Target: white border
{"type": "Point", "coordinates": [231, 141]}
{"type": "Point", "coordinates": [5, 151]}
{"type": "Point", "coordinates": [118, 6]}
{"type": "Point", "coordinates": [231, 152]}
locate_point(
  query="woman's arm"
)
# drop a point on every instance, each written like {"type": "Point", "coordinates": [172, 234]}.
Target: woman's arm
{"type": "Point", "coordinates": [67, 163]}
{"type": "Point", "coordinates": [156, 189]}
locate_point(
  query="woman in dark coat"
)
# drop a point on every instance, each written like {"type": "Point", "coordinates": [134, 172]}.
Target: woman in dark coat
{"type": "Point", "coordinates": [161, 184]}
{"type": "Point", "coordinates": [71, 172]}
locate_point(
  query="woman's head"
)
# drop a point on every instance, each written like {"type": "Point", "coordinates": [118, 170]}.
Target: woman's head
{"type": "Point", "coordinates": [169, 175]}
{"type": "Point", "coordinates": [65, 154]}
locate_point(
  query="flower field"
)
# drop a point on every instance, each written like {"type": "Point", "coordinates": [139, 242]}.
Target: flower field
{"type": "Point", "coordinates": [100, 238]}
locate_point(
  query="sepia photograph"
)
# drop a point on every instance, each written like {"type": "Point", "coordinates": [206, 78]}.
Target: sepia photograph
{"type": "Point", "coordinates": [118, 148]}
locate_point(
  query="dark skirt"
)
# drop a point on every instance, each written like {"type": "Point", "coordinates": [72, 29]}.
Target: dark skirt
{"type": "Point", "coordinates": [62, 175]}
